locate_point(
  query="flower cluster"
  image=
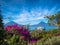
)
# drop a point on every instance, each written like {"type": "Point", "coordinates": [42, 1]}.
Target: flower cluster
{"type": "Point", "coordinates": [22, 31]}
{"type": "Point", "coordinates": [8, 28]}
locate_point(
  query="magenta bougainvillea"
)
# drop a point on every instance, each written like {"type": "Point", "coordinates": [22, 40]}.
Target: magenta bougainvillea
{"type": "Point", "coordinates": [21, 29]}
{"type": "Point", "coordinates": [25, 35]}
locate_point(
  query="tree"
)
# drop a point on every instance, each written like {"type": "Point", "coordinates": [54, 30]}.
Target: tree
{"type": "Point", "coordinates": [54, 19]}
{"type": "Point", "coordinates": [1, 20]}
{"type": "Point", "coordinates": [3, 33]}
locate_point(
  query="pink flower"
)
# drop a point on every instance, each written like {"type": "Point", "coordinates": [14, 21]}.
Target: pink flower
{"type": "Point", "coordinates": [22, 28]}
{"type": "Point", "coordinates": [25, 32]}
{"type": "Point", "coordinates": [15, 27]}
{"type": "Point", "coordinates": [32, 41]}
{"type": "Point", "coordinates": [22, 37]}
{"type": "Point", "coordinates": [7, 28]}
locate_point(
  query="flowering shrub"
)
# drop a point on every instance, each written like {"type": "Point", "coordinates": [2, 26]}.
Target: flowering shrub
{"type": "Point", "coordinates": [58, 34]}
{"type": "Point", "coordinates": [21, 35]}
{"type": "Point", "coordinates": [20, 30]}
{"type": "Point", "coordinates": [10, 27]}
{"type": "Point", "coordinates": [7, 28]}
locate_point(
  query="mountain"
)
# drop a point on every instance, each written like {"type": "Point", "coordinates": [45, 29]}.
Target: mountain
{"type": "Point", "coordinates": [44, 25]}
{"type": "Point", "coordinates": [11, 23]}
{"type": "Point", "coordinates": [33, 27]}
{"type": "Point", "coordinates": [47, 26]}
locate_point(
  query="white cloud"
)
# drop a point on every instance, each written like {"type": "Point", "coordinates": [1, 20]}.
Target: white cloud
{"type": "Point", "coordinates": [32, 17]}
{"type": "Point", "coordinates": [28, 17]}
{"type": "Point", "coordinates": [5, 21]}
{"type": "Point", "coordinates": [45, 12]}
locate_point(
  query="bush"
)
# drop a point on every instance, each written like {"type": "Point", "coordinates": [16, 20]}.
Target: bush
{"type": "Point", "coordinates": [3, 36]}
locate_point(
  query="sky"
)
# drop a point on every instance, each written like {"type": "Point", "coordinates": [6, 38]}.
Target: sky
{"type": "Point", "coordinates": [28, 11]}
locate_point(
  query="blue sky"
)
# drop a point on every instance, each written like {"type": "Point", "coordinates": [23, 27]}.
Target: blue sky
{"type": "Point", "coordinates": [28, 11]}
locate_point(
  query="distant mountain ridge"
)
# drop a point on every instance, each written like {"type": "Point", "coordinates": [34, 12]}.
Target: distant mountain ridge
{"type": "Point", "coordinates": [44, 25]}
{"type": "Point", "coordinates": [32, 27]}
{"type": "Point", "coordinates": [41, 24]}
{"type": "Point", "coordinates": [10, 23]}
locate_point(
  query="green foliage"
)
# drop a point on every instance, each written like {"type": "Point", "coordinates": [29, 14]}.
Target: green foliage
{"type": "Point", "coordinates": [1, 21]}
{"type": "Point", "coordinates": [45, 37]}
{"type": "Point", "coordinates": [35, 33]}
{"type": "Point", "coordinates": [48, 41]}
{"type": "Point", "coordinates": [54, 19]}
{"type": "Point", "coordinates": [53, 41]}
{"type": "Point", "coordinates": [3, 36]}
{"type": "Point", "coordinates": [48, 38]}
{"type": "Point", "coordinates": [13, 40]}
{"type": "Point", "coordinates": [50, 19]}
